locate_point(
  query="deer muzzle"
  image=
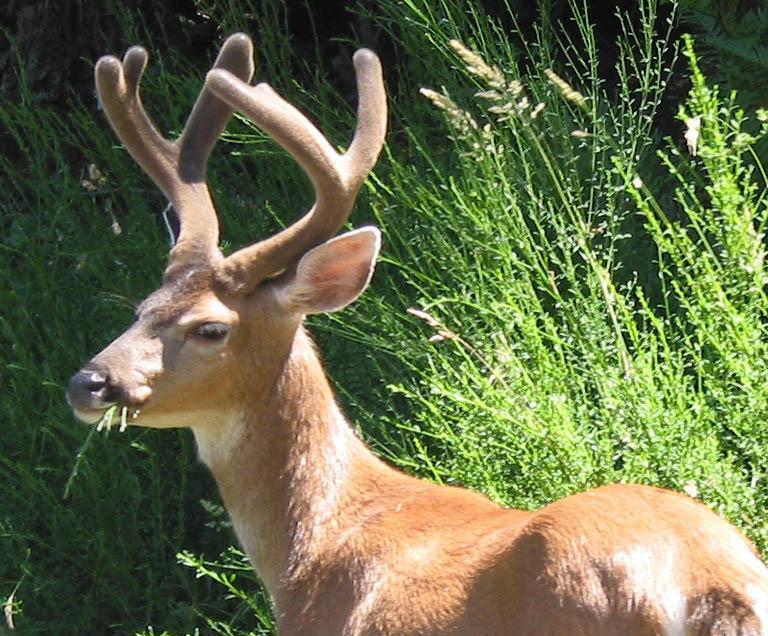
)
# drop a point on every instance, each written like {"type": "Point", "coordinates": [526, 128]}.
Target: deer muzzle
{"type": "Point", "coordinates": [90, 390]}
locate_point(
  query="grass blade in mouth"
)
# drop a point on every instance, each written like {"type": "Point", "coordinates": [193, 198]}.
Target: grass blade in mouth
{"type": "Point", "coordinates": [105, 422]}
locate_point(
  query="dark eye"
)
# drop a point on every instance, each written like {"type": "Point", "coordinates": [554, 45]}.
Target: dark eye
{"type": "Point", "coordinates": [212, 331]}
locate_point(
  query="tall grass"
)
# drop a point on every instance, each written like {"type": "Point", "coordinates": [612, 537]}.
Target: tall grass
{"type": "Point", "coordinates": [598, 332]}
{"type": "Point", "coordinates": [587, 304]}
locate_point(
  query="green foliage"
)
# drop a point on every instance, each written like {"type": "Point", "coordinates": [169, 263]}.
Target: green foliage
{"type": "Point", "coordinates": [733, 41]}
{"type": "Point", "coordinates": [587, 305]}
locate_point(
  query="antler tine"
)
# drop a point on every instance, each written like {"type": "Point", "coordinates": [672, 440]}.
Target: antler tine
{"type": "Point", "coordinates": [210, 115]}
{"type": "Point", "coordinates": [177, 167]}
{"type": "Point", "coordinates": [336, 178]}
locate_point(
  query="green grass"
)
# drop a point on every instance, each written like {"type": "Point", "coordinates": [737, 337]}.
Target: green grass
{"type": "Point", "coordinates": [598, 300]}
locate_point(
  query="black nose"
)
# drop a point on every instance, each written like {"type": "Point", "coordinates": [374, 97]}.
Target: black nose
{"type": "Point", "coordinates": [87, 389]}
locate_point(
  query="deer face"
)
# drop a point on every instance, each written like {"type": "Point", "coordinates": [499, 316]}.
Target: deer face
{"type": "Point", "coordinates": [220, 324]}
{"type": "Point", "coordinates": [176, 361]}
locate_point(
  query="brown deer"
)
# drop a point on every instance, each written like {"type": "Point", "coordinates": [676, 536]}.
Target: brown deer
{"type": "Point", "coordinates": [344, 543]}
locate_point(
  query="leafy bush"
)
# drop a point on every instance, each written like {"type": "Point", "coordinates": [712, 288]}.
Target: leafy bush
{"type": "Point", "coordinates": [732, 38]}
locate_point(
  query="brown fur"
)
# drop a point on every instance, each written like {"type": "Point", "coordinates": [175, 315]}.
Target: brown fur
{"type": "Point", "coordinates": [344, 543]}
{"type": "Point", "coordinates": [448, 561]}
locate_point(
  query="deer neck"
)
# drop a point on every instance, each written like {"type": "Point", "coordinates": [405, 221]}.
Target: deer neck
{"type": "Point", "coordinates": [290, 469]}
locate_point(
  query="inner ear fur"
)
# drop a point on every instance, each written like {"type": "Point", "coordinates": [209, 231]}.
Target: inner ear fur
{"type": "Point", "coordinates": [333, 274]}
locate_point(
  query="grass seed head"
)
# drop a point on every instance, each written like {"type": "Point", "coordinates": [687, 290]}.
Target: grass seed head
{"type": "Point", "coordinates": [459, 118]}
{"type": "Point", "coordinates": [566, 90]}
{"type": "Point", "coordinates": [476, 65]}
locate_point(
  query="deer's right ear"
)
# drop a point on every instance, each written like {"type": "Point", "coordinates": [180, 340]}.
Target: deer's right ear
{"type": "Point", "coordinates": [332, 275]}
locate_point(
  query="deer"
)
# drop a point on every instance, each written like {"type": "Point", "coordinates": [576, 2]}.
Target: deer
{"type": "Point", "coordinates": [344, 543]}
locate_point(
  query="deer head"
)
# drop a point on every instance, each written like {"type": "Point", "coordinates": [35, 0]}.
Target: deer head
{"type": "Point", "coordinates": [218, 324]}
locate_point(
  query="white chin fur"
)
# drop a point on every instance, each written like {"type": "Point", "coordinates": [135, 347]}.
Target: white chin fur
{"type": "Point", "coordinates": [89, 417]}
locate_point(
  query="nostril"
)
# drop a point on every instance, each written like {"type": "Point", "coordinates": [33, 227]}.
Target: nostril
{"type": "Point", "coordinates": [87, 381]}
{"type": "Point", "coordinates": [95, 382]}
{"type": "Point", "coordinates": [90, 389]}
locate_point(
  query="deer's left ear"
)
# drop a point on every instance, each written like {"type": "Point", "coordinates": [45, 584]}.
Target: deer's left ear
{"type": "Point", "coordinates": [332, 275]}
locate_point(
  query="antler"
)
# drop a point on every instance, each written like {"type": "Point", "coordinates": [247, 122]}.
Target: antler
{"type": "Point", "coordinates": [336, 178]}
{"type": "Point", "coordinates": [177, 167]}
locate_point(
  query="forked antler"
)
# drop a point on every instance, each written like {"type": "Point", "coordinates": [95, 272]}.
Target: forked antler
{"type": "Point", "coordinates": [177, 167]}
{"type": "Point", "coordinates": [336, 178]}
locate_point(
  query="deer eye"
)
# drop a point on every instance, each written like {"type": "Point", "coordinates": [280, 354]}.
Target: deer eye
{"type": "Point", "coordinates": [212, 331]}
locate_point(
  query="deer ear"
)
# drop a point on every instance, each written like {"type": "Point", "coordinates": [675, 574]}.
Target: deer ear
{"type": "Point", "coordinates": [332, 275]}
